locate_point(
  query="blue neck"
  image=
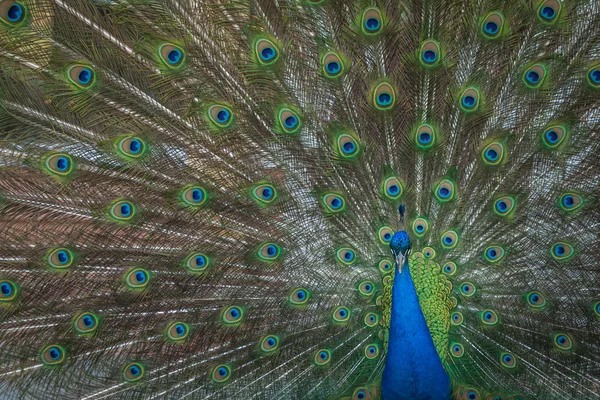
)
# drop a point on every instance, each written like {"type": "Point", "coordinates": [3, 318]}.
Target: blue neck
{"type": "Point", "coordinates": [413, 369]}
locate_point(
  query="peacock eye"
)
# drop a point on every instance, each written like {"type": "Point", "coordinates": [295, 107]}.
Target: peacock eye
{"type": "Point", "coordinates": [177, 331]}
{"type": "Point", "coordinates": [425, 136]}
{"type": "Point", "coordinates": [122, 210]}
{"type": "Point", "coordinates": [288, 120]}
{"type": "Point", "coordinates": [232, 315]}
{"type": "Point", "coordinates": [53, 355]}
{"type": "Point", "coordinates": [137, 278]}
{"type": "Point", "coordinates": [385, 266]}
{"type": "Point", "coordinates": [384, 96]}
{"type": "Point", "coordinates": [172, 56]}
{"type": "Point", "coordinates": [504, 205]}
{"type": "Point", "coordinates": [322, 357]}
{"type": "Point", "coordinates": [493, 253]}
{"type": "Point", "coordinates": [347, 146]}
{"type": "Point", "coordinates": [372, 21]}
{"type": "Point", "coordinates": [269, 343]}
{"type": "Point", "coordinates": [59, 164]}
{"type": "Point", "coordinates": [366, 288]}
{"type": "Point", "coordinates": [492, 25]}
{"type": "Point", "coordinates": [371, 351]}
{"type": "Point", "coordinates": [12, 13]}
{"type": "Point", "coordinates": [346, 256]}
{"type": "Point", "coordinates": [553, 136]}
{"type": "Point", "coordinates": [430, 53]}
{"type": "Point", "coordinates": [131, 147]}
{"type": "Point", "coordinates": [221, 373]}
{"type": "Point", "coordinates": [593, 76]}
{"type": "Point", "coordinates": [266, 51]}
{"type": "Point", "coordinates": [562, 251]}
{"type": "Point", "coordinates": [457, 350]}
{"type": "Point", "coordinates": [333, 203]}
{"type": "Point", "coordinates": [332, 65]}
{"type": "Point", "coordinates": [220, 115]}
{"type": "Point", "coordinates": [133, 372]}
{"type": "Point", "coordinates": [508, 360]}
{"type": "Point", "coordinates": [467, 289]}
{"type": "Point", "coordinates": [81, 76]}
{"type": "Point", "coordinates": [493, 154]}
{"type": "Point", "coordinates": [269, 252]}
{"type": "Point", "coordinates": [299, 296]}
{"type": "Point", "coordinates": [341, 314]}
{"type": "Point", "coordinates": [535, 75]}
{"type": "Point", "coordinates": [8, 291]}
{"type": "Point", "coordinates": [371, 320]}
{"type": "Point", "coordinates": [469, 99]}
{"type": "Point", "coordinates": [563, 341]}
{"type": "Point", "coordinates": [549, 10]}
{"type": "Point", "coordinates": [456, 318]}
{"type": "Point", "coordinates": [449, 240]}
{"type": "Point", "coordinates": [445, 191]}
{"type": "Point", "coordinates": [570, 201]}
{"type": "Point", "coordinates": [489, 317]}
{"type": "Point", "coordinates": [60, 258]}
{"type": "Point", "coordinates": [385, 234]}
{"type": "Point", "coordinates": [86, 323]}
{"type": "Point", "coordinates": [392, 188]}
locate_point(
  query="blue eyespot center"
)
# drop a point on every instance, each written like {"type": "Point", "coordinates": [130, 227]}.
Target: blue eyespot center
{"type": "Point", "coordinates": [301, 294]}
{"type": "Point", "coordinates": [323, 355]}
{"type": "Point", "coordinates": [271, 342]}
{"type": "Point", "coordinates": [488, 316]}
{"type": "Point", "coordinates": [197, 195]}
{"type": "Point", "coordinates": [420, 228]}
{"type": "Point", "coordinates": [271, 250]}
{"type": "Point", "coordinates": [384, 99]}
{"type": "Point", "coordinates": [456, 349]}
{"type": "Point", "coordinates": [387, 237]}
{"type": "Point", "coordinates": [491, 154]}
{"type": "Point", "coordinates": [361, 395]}
{"type": "Point", "coordinates": [125, 209]}
{"type": "Point", "coordinates": [372, 350]}
{"type": "Point", "coordinates": [490, 27]}
{"type": "Point", "coordinates": [349, 147]}
{"type": "Point", "coordinates": [472, 395]}
{"type": "Point", "coordinates": [134, 370]}
{"type": "Point", "coordinates": [561, 339]}
{"type": "Point", "coordinates": [222, 371]}
{"type": "Point", "coordinates": [336, 203]}
{"type": "Point", "coordinates": [535, 298]}
{"type": "Point", "coordinates": [6, 289]}
{"type": "Point", "coordinates": [507, 358]}
{"type": "Point", "coordinates": [368, 287]}
{"type": "Point", "coordinates": [135, 146]}
{"type": "Point", "coordinates": [223, 116]}
{"type": "Point", "coordinates": [444, 192]}
{"type": "Point", "coordinates": [559, 250]}
{"type": "Point", "coordinates": [448, 240]}
{"type": "Point", "coordinates": [200, 261]}
{"type": "Point", "coordinates": [349, 255]}
{"type": "Point", "coordinates": [468, 101]}
{"type": "Point", "coordinates": [533, 77]}
{"type": "Point", "coordinates": [63, 256]}
{"type": "Point", "coordinates": [492, 253]}
{"type": "Point", "coordinates": [448, 269]}
{"type": "Point", "coordinates": [568, 201]}
{"type": "Point", "coordinates": [425, 138]}
{"type": "Point", "coordinates": [455, 317]}
{"type": "Point", "coordinates": [54, 353]}
{"type": "Point", "coordinates": [372, 318]}
{"type": "Point", "coordinates": [62, 164]}
{"type": "Point", "coordinates": [174, 56]}
{"type": "Point", "coordinates": [88, 321]}
{"type": "Point", "coordinates": [180, 329]}
{"type": "Point", "coordinates": [268, 53]}
{"type": "Point", "coordinates": [85, 76]}
{"type": "Point", "coordinates": [291, 122]}
{"type": "Point", "coordinates": [235, 313]}
{"type": "Point", "coordinates": [140, 276]}
{"type": "Point", "coordinates": [343, 313]}
{"type": "Point", "coordinates": [15, 13]}
{"type": "Point", "coordinates": [595, 76]}
{"type": "Point", "coordinates": [502, 206]}
{"type": "Point", "coordinates": [267, 193]}
{"type": "Point", "coordinates": [393, 190]}
{"type": "Point", "coordinates": [372, 24]}
{"type": "Point", "coordinates": [548, 13]}
{"type": "Point", "coordinates": [333, 67]}
{"type": "Point", "coordinates": [429, 56]}
{"type": "Point", "coordinates": [466, 288]}
{"type": "Point", "coordinates": [552, 136]}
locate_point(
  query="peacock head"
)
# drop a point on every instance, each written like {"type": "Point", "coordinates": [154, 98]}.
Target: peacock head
{"type": "Point", "coordinates": [400, 246]}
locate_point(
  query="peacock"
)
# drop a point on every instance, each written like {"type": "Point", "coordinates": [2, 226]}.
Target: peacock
{"type": "Point", "coordinates": [300, 199]}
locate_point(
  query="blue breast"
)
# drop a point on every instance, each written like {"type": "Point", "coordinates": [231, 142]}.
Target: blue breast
{"type": "Point", "coordinates": [413, 369]}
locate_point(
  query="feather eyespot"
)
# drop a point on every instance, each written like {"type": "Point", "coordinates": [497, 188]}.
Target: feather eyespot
{"type": "Point", "coordinates": [596, 308]}
{"type": "Point", "coordinates": [264, 193]}
{"type": "Point", "coordinates": [220, 115]}
{"type": "Point", "coordinates": [384, 96]}
{"type": "Point", "coordinates": [467, 289]}
{"type": "Point", "coordinates": [420, 226]}
{"type": "Point", "coordinates": [347, 146]}
{"type": "Point", "coordinates": [221, 373]}
{"type": "Point", "coordinates": [59, 164]}
{"type": "Point", "coordinates": [489, 317]}
{"type": "Point", "coordinates": [8, 291]}
{"type": "Point", "coordinates": [392, 188]}
{"type": "Point", "coordinates": [322, 357]}
{"type": "Point", "coordinates": [549, 10]}
{"type": "Point", "coordinates": [449, 268]}
{"type": "Point", "coordinates": [493, 154]}
{"type": "Point", "coordinates": [371, 319]}
{"type": "Point", "coordinates": [535, 299]}
{"type": "Point", "coordinates": [449, 240]}
{"type": "Point", "coordinates": [593, 76]}
{"type": "Point", "coordinates": [193, 196]}
{"type": "Point", "coordinates": [122, 210]}
{"type": "Point", "coordinates": [12, 13]}
{"type": "Point", "coordinates": [333, 203]}
{"type": "Point", "coordinates": [468, 394]}
{"type": "Point", "coordinates": [86, 323]}
{"type": "Point", "coordinates": [492, 25]}
{"type": "Point", "coordinates": [366, 288]}
{"type": "Point", "coordinates": [445, 191]}
{"type": "Point", "coordinates": [504, 206]}
{"type": "Point", "coordinates": [53, 355]}
{"type": "Point", "coordinates": [172, 56]}
{"type": "Point", "coordinates": [289, 121]}
{"type": "Point", "coordinates": [456, 318]}
{"type": "Point", "coordinates": [385, 234]}
{"type": "Point", "coordinates": [362, 393]}
{"type": "Point", "coordinates": [177, 331]}
{"type": "Point", "coordinates": [269, 343]}
{"type": "Point", "coordinates": [554, 136]}
{"type": "Point", "coordinates": [131, 147]}
{"type": "Point", "coordinates": [508, 360]}
{"type": "Point", "coordinates": [430, 53]}
{"type": "Point", "coordinates": [269, 252]}
{"type": "Point", "coordinates": [469, 99]}
{"type": "Point", "coordinates": [333, 66]}
{"type": "Point", "coordinates": [534, 76]}
{"type": "Point", "coordinates": [372, 21]}
{"type": "Point", "coordinates": [425, 136]}
{"type": "Point", "coordinates": [457, 350]}
{"type": "Point", "coordinates": [196, 262]}
{"type": "Point", "coordinates": [371, 351]}
{"type": "Point", "coordinates": [570, 201]}
{"type": "Point", "coordinates": [137, 278]}
{"type": "Point", "coordinates": [493, 253]}
{"type": "Point", "coordinates": [60, 258]}
{"type": "Point", "coordinates": [232, 315]}
{"type": "Point", "coordinates": [266, 51]}
{"type": "Point", "coordinates": [562, 251]}
{"type": "Point", "coordinates": [429, 252]}
{"type": "Point", "coordinates": [299, 296]}
{"type": "Point", "coordinates": [385, 266]}
{"type": "Point", "coordinates": [563, 341]}
{"type": "Point", "coordinates": [133, 372]}
{"type": "Point", "coordinates": [341, 314]}
{"type": "Point", "coordinates": [81, 76]}
{"type": "Point", "coordinates": [346, 256]}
